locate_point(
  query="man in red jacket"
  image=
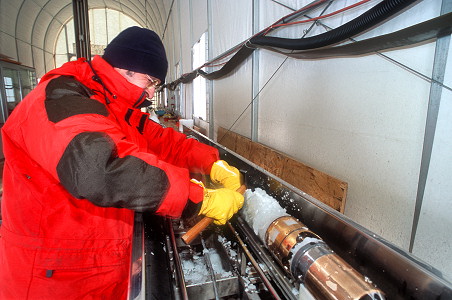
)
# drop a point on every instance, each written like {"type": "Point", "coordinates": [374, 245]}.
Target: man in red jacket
{"type": "Point", "coordinates": [80, 158]}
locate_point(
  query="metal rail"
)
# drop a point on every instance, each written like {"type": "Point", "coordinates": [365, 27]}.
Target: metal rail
{"type": "Point", "coordinates": [256, 266]}
{"type": "Point", "coordinates": [210, 267]}
{"type": "Point", "coordinates": [395, 271]}
{"type": "Point", "coordinates": [177, 262]}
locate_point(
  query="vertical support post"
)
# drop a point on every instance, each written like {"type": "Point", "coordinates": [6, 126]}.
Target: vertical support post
{"type": "Point", "coordinates": [81, 26]}
{"type": "Point", "coordinates": [182, 87]}
{"type": "Point", "coordinates": [209, 83]}
{"type": "Point", "coordinates": [439, 65]}
{"type": "Point", "coordinates": [255, 78]}
{"type": "Point", "coordinates": [68, 52]}
{"type": "Point", "coordinates": [191, 108]}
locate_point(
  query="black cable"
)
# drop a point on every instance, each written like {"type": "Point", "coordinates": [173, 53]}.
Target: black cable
{"type": "Point", "coordinates": [428, 30]}
{"type": "Point", "coordinates": [372, 17]}
{"type": "Point", "coordinates": [271, 77]}
{"type": "Point", "coordinates": [242, 52]}
{"type": "Point", "coordinates": [398, 63]}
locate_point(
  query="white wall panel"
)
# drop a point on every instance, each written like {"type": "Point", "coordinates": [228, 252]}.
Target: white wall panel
{"type": "Point", "coordinates": [198, 19]}
{"type": "Point", "coordinates": [53, 9]}
{"type": "Point", "coordinates": [44, 2]}
{"type": "Point", "coordinates": [24, 52]}
{"type": "Point", "coordinates": [50, 40]}
{"type": "Point", "coordinates": [433, 239]}
{"type": "Point", "coordinates": [362, 119]}
{"type": "Point", "coordinates": [420, 12]}
{"type": "Point", "coordinates": [97, 18]}
{"type": "Point", "coordinates": [185, 32]}
{"type": "Point", "coordinates": [231, 25]}
{"type": "Point", "coordinates": [39, 29]}
{"type": "Point", "coordinates": [172, 39]}
{"type": "Point", "coordinates": [49, 61]}
{"type": "Point", "coordinates": [8, 45]}
{"type": "Point", "coordinates": [232, 96]}
{"type": "Point", "coordinates": [363, 129]}
{"type": "Point", "coordinates": [113, 28]}
{"type": "Point", "coordinates": [38, 59]}
{"type": "Point", "coordinates": [8, 16]}
{"type": "Point", "coordinates": [29, 11]}
{"type": "Point", "coordinates": [64, 14]}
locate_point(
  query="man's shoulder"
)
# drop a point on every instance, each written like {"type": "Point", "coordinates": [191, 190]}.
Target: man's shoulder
{"type": "Point", "coordinates": [64, 85]}
{"type": "Point", "coordinates": [65, 97]}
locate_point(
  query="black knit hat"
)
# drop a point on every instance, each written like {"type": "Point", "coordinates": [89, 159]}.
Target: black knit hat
{"type": "Point", "coordinates": [140, 50]}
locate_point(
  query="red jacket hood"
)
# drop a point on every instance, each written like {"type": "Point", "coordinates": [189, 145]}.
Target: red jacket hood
{"type": "Point", "coordinates": [116, 86]}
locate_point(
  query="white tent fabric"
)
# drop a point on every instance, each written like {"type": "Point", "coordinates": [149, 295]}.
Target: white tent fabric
{"type": "Point", "coordinates": [360, 119]}
{"type": "Point", "coordinates": [29, 28]}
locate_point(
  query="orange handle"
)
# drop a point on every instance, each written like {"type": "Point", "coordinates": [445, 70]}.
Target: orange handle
{"type": "Point", "coordinates": [193, 232]}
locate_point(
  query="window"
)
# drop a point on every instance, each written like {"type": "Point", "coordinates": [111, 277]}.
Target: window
{"type": "Point", "coordinates": [12, 86]}
{"type": "Point", "coordinates": [104, 25]}
{"type": "Point", "coordinates": [199, 84]}
{"type": "Point", "coordinates": [16, 82]}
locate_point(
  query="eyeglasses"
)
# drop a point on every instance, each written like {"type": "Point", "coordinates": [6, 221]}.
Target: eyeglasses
{"type": "Point", "coordinates": [153, 82]}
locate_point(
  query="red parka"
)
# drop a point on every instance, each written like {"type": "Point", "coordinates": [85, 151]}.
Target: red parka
{"type": "Point", "coordinates": [80, 158]}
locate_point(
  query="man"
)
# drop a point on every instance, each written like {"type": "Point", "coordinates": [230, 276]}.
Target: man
{"type": "Point", "coordinates": [80, 158]}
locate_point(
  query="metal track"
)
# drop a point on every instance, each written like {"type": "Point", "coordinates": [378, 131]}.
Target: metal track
{"type": "Point", "coordinates": [395, 271]}
{"type": "Point", "coordinates": [260, 252]}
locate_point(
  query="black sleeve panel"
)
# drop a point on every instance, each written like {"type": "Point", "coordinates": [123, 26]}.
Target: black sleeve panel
{"type": "Point", "coordinates": [90, 169]}
{"type": "Point", "coordinates": [66, 97]}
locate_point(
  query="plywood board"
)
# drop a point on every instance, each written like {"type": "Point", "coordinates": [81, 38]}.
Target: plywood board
{"type": "Point", "coordinates": [319, 185]}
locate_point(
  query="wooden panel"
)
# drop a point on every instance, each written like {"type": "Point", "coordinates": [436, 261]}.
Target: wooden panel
{"type": "Point", "coordinates": [227, 139]}
{"type": "Point", "coordinates": [319, 185]}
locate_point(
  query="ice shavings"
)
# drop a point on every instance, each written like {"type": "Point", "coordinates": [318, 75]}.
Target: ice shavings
{"type": "Point", "coordinates": [195, 268]}
{"type": "Point", "coordinates": [260, 210]}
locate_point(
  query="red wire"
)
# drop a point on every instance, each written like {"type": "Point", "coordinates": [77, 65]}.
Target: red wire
{"type": "Point", "coordinates": [317, 18]}
{"type": "Point", "coordinates": [275, 25]}
{"type": "Point", "coordinates": [297, 11]}
{"type": "Point", "coordinates": [260, 32]}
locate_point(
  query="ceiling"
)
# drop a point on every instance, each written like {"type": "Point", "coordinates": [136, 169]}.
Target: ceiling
{"type": "Point", "coordinates": [29, 28]}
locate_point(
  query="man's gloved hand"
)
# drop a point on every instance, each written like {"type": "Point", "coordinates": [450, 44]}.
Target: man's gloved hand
{"type": "Point", "coordinates": [226, 175]}
{"type": "Point", "coordinates": [220, 204]}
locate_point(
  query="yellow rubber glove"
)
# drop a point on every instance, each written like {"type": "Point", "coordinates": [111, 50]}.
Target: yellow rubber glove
{"type": "Point", "coordinates": [226, 175]}
{"type": "Point", "coordinates": [220, 204]}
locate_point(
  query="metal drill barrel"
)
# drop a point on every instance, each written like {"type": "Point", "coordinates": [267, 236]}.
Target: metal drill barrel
{"type": "Point", "coordinates": [309, 259]}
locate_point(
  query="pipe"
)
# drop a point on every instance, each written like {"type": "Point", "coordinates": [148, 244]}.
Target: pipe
{"type": "Point", "coordinates": [177, 262]}
{"type": "Point", "coordinates": [256, 266]}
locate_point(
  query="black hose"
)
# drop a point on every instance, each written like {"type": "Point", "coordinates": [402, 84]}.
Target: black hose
{"type": "Point", "coordinates": [370, 18]}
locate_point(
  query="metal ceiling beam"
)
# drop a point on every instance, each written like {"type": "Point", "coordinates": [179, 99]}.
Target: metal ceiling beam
{"type": "Point", "coordinates": [81, 24]}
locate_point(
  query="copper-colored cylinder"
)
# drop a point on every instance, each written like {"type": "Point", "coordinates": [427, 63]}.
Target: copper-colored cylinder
{"type": "Point", "coordinates": [310, 260]}
{"type": "Point", "coordinates": [331, 278]}
{"type": "Point", "coordinates": [283, 234]}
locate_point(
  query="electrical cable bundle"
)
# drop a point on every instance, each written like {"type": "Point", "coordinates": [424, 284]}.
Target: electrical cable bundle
{"type": "Point", "coordinates": [321, 46]}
